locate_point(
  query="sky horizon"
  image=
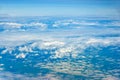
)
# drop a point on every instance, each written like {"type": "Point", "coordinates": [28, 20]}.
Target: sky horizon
{"type": "Point", "coordinates": [60, 7]}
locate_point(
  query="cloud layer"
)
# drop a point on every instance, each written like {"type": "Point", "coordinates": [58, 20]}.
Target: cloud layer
{"type": "Point", "coordinates": [58, 49]}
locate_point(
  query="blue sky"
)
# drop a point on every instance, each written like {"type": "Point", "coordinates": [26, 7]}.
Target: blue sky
{"type": "Point", "coordinates": [60, 7]}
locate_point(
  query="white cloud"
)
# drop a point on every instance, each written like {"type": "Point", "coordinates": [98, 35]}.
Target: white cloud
{"type": "Point", "coordinates": [11, 25]}
{"type": "Point", "coordinates": [66, 47]}
{"type": "Point", "coordinates": [25, 43]}
{"type": "Point", "coordinates": [36, 24]}
{"type": "Point", "coordinates": [22, 26]}
{"type": "Point", "coordinates": [78, 47]}
{"type": "Point", "coordinates": [25, 49]}
{"type": "Point", "coordinates": [9, 50]}
{"type": "Point", "coordinates": [48, 44]}
{"type": "Point", "coordinates": [64, 51]}
{"type": "Point", "coordinates": [76, 23]}
{"type": "Point", "coordinates": [21, 55]}
{"type": "Point", "coordinates": [73, 22]}
{"type": "Point", "coordinates": [93, 40]}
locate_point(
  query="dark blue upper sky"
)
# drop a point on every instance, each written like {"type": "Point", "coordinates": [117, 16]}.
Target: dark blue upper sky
{"type": "Point", "coordinates": [60, 7]}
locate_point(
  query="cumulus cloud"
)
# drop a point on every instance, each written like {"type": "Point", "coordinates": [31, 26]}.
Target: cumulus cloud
{"type": "Point", "coordinates": [101, 41]}
{"type": "Point", "coordinates": [74, 48]}
{"type": "Point", "coordinates": [64, 51]}
{"type": "Point", "coordinates": [74, 23]}
{"type": "Point", "coordinates": [59, 45]}
{"type": "Point", "coordinates": [11, 24]}
{"type": "Point", "coordinates": [37, 25]}
{"type": "Point", "coordinates": [84, 23]}
{"type": "Point", "coordinates": [51, 44]}
{"type": "Point", "coordinates": [22, 26]}
{"type": "Point", "coordinates": [66, 47]}
{"type": "Point", "coordinates": [21, 55]}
